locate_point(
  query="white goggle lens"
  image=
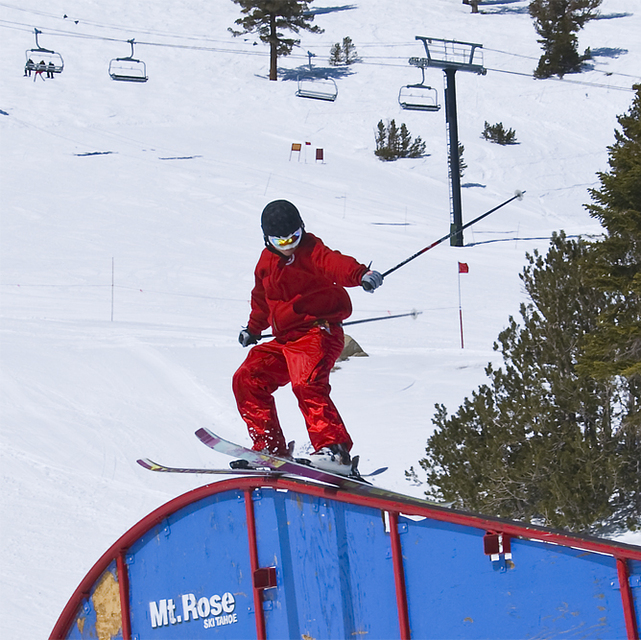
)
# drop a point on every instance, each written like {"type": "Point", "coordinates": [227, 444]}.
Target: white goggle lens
{"type": "Point", "coordinates": [287, 242]}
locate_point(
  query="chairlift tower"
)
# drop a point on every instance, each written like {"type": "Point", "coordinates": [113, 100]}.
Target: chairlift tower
{"type": "Point", "coordinates": [452, 56]}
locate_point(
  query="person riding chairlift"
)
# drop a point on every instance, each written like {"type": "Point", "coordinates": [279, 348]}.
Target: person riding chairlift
{"type": "Point", "coordinates": [41, 67]}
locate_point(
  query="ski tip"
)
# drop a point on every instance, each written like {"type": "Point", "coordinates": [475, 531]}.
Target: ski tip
{"type": "Point", "coordinates": [206, 436]}
{"type": "Point", "coordinates": [146, 463]}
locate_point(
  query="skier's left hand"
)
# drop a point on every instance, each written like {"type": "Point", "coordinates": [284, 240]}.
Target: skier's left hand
{"type": "Point", "coordinates": [245, 338]}
{"type": "Point", "coordinates": [371, 280]}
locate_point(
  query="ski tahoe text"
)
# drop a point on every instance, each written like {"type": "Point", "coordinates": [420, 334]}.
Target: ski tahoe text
{"type": "Point", "coordinates": [215, 611]}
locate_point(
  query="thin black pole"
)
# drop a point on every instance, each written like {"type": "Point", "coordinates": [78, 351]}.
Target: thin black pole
{"type": "Point", "coordinates": [413, 313]}
{"type": "Point", "coordinates": [517, 196]}
{"type": "Point", "coordinates": [112, 289]}
{"type": "Point", "coordinates": [398, 315]}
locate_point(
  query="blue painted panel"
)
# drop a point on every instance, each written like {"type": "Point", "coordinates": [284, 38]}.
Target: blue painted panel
{"type": "Point", "coordinates": [455, 591]}
{"type": "Point", "coordinates": [100, 611]}
{"type": "Point", "coordinates": [190, 576]}
{"type": "Point", "coordinates": [315, 567]}
{"type": "Point", "coordinates": [335, 574]}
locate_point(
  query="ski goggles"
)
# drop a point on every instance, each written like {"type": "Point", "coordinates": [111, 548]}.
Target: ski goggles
{"type": "Point", "coordinates": [287, 242]}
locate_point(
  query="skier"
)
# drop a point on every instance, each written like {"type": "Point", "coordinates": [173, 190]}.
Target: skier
{"type": "Point", "coordinates": [299, 292]}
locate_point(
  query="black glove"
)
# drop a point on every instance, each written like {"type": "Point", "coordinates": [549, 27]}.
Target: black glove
{"type": "Point", "coordinates": [246, 339]}
{"type": "Point", "coordinates": [371, 280]}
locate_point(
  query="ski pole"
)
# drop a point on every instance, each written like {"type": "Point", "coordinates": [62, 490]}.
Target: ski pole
{"type": "Point", "coordinates": [414, 313]}
{"type": "Point", "coordinates": [518, 195]}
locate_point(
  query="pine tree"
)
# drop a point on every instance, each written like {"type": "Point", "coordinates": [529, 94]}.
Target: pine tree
{"type": "Point", "coordinates": [336, 55]}
{"type": "Point", "coordinates": [497, 133]}
{"type": "Point", "coordinates": [541, 441]}
{"type": "Point", "coordinates": [405, 141]}
{"type": "Point", "coordinates": [555, 436]}
{"type": "Point", "coordinates": [393, 142]}
{"type": "Point", "coordinates": [349, 51]}
{"type": "Point", "coordinates": [381, 140]}
{"type": "Point", "coordinates": [613, 349]}
{"type": "Point", "coordinates": [557, 23]}
{"type": "Point", "coordinates": [268, 17]}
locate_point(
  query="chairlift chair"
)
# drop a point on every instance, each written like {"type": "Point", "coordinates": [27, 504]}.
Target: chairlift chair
{"type": "Point", "coordinates": [128, 69]}
{"type": "Point", "coordinates": [419, 97]}
{"type": "Point", "coordinates": [317, 89]}
{"type": "Point", "coordinates": [52, 60]}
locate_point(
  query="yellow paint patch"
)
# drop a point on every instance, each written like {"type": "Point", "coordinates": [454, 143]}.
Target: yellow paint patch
{"type": "Point", "coordinates": [106, 602]}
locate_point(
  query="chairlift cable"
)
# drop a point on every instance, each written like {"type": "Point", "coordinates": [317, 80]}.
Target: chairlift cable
{"type": "Point", "coordinates": [567, 80]}
{"type": "Point", "coordinates": [367, 60]}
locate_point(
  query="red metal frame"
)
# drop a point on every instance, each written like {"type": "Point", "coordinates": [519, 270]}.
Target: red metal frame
{"type": "Point", "coordinates": [409, 506]}
{"type": "Point", "coordinates": [261, 633]}
{"type": "Point", "coordinates": [627, 599]}
{"type": "Point", "coordinates": [399, 577]}
{"type": "Point", "coordinates": [123, 587]}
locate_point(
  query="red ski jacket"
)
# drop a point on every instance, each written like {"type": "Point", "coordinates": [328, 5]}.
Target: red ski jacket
{"type": "Point", "coordinates": [294, 293]}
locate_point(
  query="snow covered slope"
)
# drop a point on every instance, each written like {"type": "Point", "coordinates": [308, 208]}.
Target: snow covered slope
{"type": "Point", "coordinates": [160, 186]}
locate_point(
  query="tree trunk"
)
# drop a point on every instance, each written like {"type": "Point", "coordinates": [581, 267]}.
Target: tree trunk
{"type": "Point", "coordinates": [273, 52]}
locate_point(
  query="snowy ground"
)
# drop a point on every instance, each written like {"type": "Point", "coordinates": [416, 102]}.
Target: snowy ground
{"type": "Point", "coordinates": [165, 182]}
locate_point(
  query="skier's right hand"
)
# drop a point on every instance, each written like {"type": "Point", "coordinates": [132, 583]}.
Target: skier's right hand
{"type": "Point", "coordinates": [246, 339]}
{"type": "Point", "coordinates": [371, 280]}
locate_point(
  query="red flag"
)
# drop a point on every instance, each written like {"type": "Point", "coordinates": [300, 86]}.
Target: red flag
{"type": "Point", "coordinates": [463, 268]}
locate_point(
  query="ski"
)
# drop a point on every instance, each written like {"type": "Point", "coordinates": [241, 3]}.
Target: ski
{"type": "Point", "coordinates": [265, 465]}
{"type": "Point", "coordinates": [155, 466]}
{"type": "Point", "coordinates": [289, 467]}
{"type": "Point", "coordinates": [150, 465]}
{"type": "Point", "coordinates": [260, 460]}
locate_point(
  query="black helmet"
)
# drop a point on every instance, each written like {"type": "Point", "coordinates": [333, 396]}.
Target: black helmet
{"type": "Point", "coordinates": [280, 218]}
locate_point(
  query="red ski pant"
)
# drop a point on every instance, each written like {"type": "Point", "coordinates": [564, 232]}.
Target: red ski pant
{"type": "Point", "coordinates": [306, 363]}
